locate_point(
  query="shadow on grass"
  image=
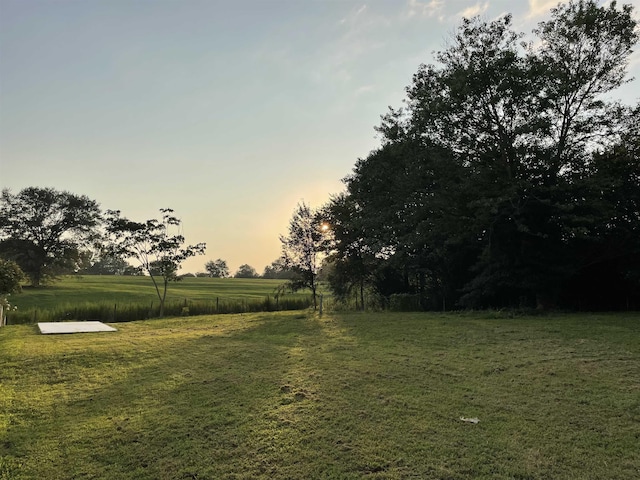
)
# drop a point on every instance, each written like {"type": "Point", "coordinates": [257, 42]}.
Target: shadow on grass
{"type": "Point", "coordinates": [345, 396]}
{"type": "Point", "coordinates": [147, 407]}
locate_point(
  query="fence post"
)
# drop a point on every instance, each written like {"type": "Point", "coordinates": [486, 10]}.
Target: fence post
{"type": "Point", "coordinates": [2, 319]}
{"type": "Point", "coordinates": [321, 297]}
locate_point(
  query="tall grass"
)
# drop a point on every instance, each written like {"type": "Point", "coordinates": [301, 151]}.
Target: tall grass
{"type": "Point", "coordinates": [123, 299]}
{"type": "Point", "coordinates": [128, 312]}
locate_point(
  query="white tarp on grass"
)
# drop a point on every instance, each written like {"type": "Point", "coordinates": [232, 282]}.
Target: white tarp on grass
{"type": "Point", "coordinates": [74, 327]}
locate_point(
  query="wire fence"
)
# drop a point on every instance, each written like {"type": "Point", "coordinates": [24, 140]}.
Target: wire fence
{"type": "Point", "coordinates": [128, 312]}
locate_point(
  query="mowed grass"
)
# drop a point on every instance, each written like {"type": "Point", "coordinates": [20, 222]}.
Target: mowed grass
{"type": "Point", "coordinates": [344, 396]}
{"type": "Point", "coordinates": [124, 289]}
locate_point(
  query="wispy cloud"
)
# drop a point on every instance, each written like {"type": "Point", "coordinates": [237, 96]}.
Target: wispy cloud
{"type": "Point", "coordinates": [353, 15]}
{"type": "Point", "coordinates": [358, 34]}
{"type": "Point", "coordinates": [423, 8]}
{"type": "Point", "coordinates": [474, 10]}
{"type": "Point", "coordinates": [540, 7]}
{"type": "Point", "coordinates": [364, 89]}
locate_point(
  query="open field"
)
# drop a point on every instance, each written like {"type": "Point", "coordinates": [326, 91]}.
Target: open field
{"type": "Point", "coordinates": [343, 396]}
{"type": "Point", "coordinates": [109, 297]}
{"type": "Point", "coordinates": [125, 289]}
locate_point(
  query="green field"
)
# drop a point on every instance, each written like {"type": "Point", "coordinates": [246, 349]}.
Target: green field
{"type": "Point", "coordinates": [291, 395]}
{"type": "Point", "coordinates": [125, 289]}
{"type": "Point", "coordinates": [64, 299]}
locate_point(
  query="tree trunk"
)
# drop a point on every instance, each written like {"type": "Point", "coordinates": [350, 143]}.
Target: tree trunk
{"type": "Point", "coordinates": [36, 277]}
{"type": "Point", "coordinates": [313, 291]}
{"type": "Point", "coordinates": [164, 296]}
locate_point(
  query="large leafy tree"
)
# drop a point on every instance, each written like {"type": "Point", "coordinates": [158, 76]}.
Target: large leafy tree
{"type": "Point", "coordinates": [155, 244]}
{"type": "Point", "coordinates": [606, 251]}
{"type": "Point", "coordinates": [43, 229]}
{"type": "Point", "coordinates": [490, 184]}
{"type": "Point", "coordinates": [402, 226]}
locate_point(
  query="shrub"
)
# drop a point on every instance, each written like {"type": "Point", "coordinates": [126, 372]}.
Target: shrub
{"type": "Point", "coordinates": [11, 276]}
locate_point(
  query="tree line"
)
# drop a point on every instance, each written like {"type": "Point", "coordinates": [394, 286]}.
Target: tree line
{"type": "Point", "coordinates": [45, 233]}
{"type": "Point", "coordinates": [509, 178]}
{"type": "Point", "coordinates": [218, 269]}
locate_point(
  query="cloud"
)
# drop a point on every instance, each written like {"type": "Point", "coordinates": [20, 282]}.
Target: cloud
{"type": "Point", "coordinates": [357, 36]}
{"type": "Point", "coordinates": [540, 7]}
{"type": "Point", "coordinates": [474, 10]}
{"type": "Point", "coordinates": [364, 89]}
{"type": "Point", "coordinates": [431, 8]}
{"type": "Point", "coordinates": [353, 16]}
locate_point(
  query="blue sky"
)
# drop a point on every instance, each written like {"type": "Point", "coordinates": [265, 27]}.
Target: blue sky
{"type": "Point", "coordinates": [229, 112]}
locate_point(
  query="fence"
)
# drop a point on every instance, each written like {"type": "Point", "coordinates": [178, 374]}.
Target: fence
{"type": "Point", "coordinates": [113, 312]}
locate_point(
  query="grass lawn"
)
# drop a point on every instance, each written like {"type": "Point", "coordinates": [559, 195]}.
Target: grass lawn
{"type": "Point", "coordinates": [345, 396]}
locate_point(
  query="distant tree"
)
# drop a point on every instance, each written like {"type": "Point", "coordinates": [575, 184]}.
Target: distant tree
{"type": "Point", "coordinates": [104, 264]}
{"type": "Point", "coordinates": [304, 247]}
{"type": "Point", "coordinates": [11, 277]}
{"type": "Point", "coordinates": [246, 271]}
{"type": "Point", "coordinates": [157, 250]}
{"type": "Point", "coordinates": [202, 274]}
{"type": "Point", "coordinates": [84, 259]}
{"type": "Point", "coordinates": [217, 268]}
{"type": "Point", "coordinates": [43, 229]}
{"type": "Point", "coordinates": [131, 271]}
{"type": "Point", "coordinates": [278, 270]}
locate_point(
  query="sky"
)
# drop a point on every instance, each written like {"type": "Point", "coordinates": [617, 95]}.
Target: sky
{"type": "Point", "coordinates": [230, 112]}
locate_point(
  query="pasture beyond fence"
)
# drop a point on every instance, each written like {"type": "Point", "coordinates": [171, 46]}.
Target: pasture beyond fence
{"type": "Point", "coordinates": [128, 312]}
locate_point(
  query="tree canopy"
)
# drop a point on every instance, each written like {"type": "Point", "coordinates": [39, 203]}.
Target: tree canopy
{"type": "Point", "coordinates": [158, 251]}
{"type": "Point", "coordinates": [11, 277]}
{"type": "Point", "coordinates": [246, 271]}
{"type": "Point", "coordinates": [217, 268]}
{"type": "Point", "coordinates": [303, 248]}
{"type": "Point", "coordinates": [510, 178]}
{"type": "Point", "coordinates": [278, 270]}
{"type": "Point", "coordinates": [43, 229]}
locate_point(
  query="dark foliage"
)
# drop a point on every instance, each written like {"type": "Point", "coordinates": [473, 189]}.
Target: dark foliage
{"type": "Point", "coordinates": [509, 180]}
{"type": "Point", "coordinates": [43, 230]}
